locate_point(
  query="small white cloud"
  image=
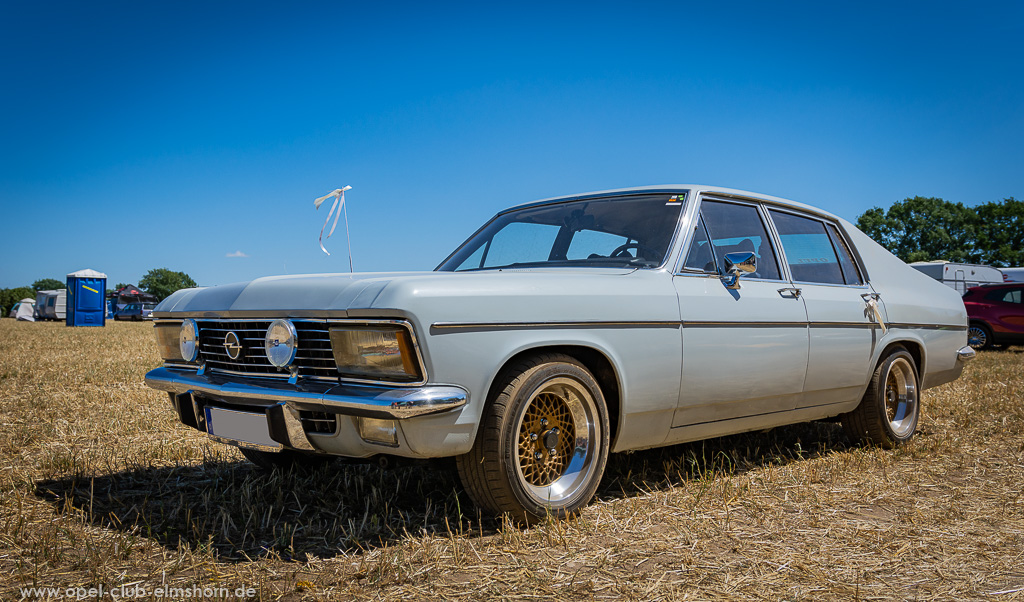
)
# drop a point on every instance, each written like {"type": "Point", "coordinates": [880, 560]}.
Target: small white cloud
{"type": "Point", "coordinates": [236, 254]}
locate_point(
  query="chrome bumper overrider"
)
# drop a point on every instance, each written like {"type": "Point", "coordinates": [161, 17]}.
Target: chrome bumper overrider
{"type": "Point", "coordinates": [965, 353]}
{"type": "Point", "coordinates": [349, 399]}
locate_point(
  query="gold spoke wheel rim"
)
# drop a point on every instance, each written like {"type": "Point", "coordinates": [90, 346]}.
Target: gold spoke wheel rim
{"type": "Point", "coordinates": [548, 413]}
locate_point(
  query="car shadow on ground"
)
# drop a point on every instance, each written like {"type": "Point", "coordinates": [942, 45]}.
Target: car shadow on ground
{"type": "Point", "coordinates": [244, 512]}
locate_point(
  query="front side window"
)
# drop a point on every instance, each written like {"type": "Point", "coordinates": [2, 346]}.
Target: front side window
{"type": "Point", "coordinates": [808, 247]}
{"type": "Point", "coordinates": [738, 228]}
{"type": "Point", "coordinates": [700, 256]}
{"type": "Point", "coordinates": [631, 231]}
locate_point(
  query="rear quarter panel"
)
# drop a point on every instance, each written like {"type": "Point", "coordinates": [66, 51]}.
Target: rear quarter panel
{"type": "Point", "coordinates": [918, 310]}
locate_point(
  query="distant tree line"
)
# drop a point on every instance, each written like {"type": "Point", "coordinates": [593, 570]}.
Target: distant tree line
{"type": "Point", "coordinates": [160, 282]}
{"type": "Point", "coordinates": [929, 229]}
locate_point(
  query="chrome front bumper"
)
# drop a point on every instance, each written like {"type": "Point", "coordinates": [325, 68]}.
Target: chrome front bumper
{"type": "Point", "coordinates": [965, 353]}
{"type": "Point", "coordinates": [320, 396]}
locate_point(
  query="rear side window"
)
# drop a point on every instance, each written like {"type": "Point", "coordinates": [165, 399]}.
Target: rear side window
{"type": "Point", "coordinates": [1006, 296]}
{"type": "Point", "coordinates": [738, 228]}
{"type": "Point", "coordinates": [809, 250]}
{"type": "Point", "coordinates": [850, 272]}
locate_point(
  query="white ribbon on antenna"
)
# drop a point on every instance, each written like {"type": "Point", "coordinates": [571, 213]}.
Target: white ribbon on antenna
{"type": "Point", "coordinates": [873, 306]}
{"type": "Point", "coordinates": [339, 199]}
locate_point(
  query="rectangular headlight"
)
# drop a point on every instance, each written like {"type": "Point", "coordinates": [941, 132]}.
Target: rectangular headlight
{"type": "Point", "coordinates": [167, 341]}
{"type": "Point", "coordinates": [375, 352]}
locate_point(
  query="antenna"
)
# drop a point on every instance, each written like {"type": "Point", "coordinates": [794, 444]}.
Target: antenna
{"type": "Point", "coordinates": [339, 198]}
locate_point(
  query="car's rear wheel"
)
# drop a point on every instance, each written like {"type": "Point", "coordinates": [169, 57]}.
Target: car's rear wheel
{"type": "Point", "coordinates": [543, 441]}
{"type": "Point", "coordinates": [286, 459]}
{"type": "Point", "coordinates": [888, 413]}
{"type": "Point", "coordinates": [979, 336]}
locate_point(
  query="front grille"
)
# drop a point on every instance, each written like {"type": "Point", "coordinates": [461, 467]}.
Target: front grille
{"type": "Point", "coordinates": [313, 358]}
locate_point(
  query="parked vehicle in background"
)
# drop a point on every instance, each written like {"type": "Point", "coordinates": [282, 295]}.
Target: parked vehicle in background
{"type": "Point", "coordinates": [135, 311]}
{"type": "Point", "coordinates": [960, 276]}
{"type": "Point", "coordinates": [564, 330]}
{"type": "Point", "coordinates": [51, 305]}
{"type": "Point", "coordinates": [24, 310]}
{"type": "Point", "coordinates": [996, 315]}
{"type": "Point", "coordinates": [1012, 274]}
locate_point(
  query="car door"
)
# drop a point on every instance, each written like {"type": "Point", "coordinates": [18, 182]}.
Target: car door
{"type": "Point", "coordinates": [744, 349]}
{"type": "Point", "coordinates": [1009, 313]}
{"type": "Point", "coordinates": [843, 326]}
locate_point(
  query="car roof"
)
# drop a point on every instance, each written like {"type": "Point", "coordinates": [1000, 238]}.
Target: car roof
{"type": "Point", "coordinates": [996, 285]}
{"type": "Point", "coordinates": [694, 189]}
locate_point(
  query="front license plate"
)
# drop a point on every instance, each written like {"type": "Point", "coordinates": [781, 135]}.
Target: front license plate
{"type": "Point", "coordinates": [241, 427]}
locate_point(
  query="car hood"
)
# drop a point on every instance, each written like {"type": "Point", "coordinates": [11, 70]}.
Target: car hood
{"type": "Point", "coordinates": [304, 292]}
{"type": "Point", "coordinates": [457, 294]}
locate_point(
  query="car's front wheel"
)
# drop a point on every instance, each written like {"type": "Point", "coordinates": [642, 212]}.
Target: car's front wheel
{"type": "Point", "coordinates": [979, 336]}
{"type": "Point", "coordinates": [888, 413]}
{"type": "Point", "coordinates": [543, 441]}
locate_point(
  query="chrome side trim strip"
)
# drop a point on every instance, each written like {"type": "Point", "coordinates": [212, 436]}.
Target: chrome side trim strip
{"type": "Point", "coordinates": [903, 325]}
{"type": "Point", "coordinates": [741, 324]}
{"type": "Point", "coordinates": [953, 327]}
{"type": "Point", "coordinates": [450, 326]}
{"type": "Point", "coordinates": [348, 399]}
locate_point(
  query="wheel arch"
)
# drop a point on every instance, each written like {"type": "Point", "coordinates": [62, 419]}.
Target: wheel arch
{"type": "Point", "coordinates": [599, 365]}
{"type": "Point", "coordinates": [914, 347]}
{"type": "Point", "coordinates": [980, 322]}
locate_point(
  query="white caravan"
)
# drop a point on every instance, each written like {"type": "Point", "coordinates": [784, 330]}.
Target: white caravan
{"type": "Point", "coordinates": [959, 276]}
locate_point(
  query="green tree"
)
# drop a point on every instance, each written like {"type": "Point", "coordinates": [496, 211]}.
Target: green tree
{"type": "Point", "coordinates": [48, 284]}
{"type": "Point", "coordinates": [924, 229]}
{"type": "Point", "coordinates": [162, 282]}
{"type": "Point", "coordinates": [1001, 232]}
{"type": "Point", "coordinates": [10, 296]}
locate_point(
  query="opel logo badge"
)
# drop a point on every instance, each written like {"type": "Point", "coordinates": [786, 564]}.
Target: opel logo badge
{"type": "Point", "coordinates": [232, 345]}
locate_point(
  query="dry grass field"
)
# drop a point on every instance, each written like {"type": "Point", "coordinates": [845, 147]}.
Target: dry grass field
{"type": "Point", "coordinates": [101, 487]}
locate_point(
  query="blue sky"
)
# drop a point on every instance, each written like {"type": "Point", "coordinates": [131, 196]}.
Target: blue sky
{"type": "Point", "coordinates": [138, 135]}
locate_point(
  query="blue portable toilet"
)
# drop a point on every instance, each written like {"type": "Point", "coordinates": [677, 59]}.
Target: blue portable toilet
{"type": "Point", "coordinates": [86, 305]}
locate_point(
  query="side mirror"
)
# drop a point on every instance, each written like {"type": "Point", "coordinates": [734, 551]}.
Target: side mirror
{"type": "Point", "coordinates": [736, 265]}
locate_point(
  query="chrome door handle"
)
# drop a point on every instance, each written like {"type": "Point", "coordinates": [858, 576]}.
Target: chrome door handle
{"type": "Point", "coordinates": [791, 292]}
{"type": "Point", "coordinates": [871, 299]}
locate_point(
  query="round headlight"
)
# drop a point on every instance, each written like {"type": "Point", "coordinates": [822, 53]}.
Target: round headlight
{"type": "Point", "coordinates": [188, 340]}
{"type": "Point", "coordinates": [281, 342]}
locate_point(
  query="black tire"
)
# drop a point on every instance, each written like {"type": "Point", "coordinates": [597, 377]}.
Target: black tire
{"type": "Point", "coordinates": [888, 413]}
{"type": "Point", "coordinates": [537, 403]}
{"type": "Point", "coordinates": [285, 459]}
{"type": "Point", "coordinates": [979, 336]}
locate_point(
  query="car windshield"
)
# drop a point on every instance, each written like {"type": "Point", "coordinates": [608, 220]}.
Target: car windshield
{"type": "Point", "coordinates": [627, 231]}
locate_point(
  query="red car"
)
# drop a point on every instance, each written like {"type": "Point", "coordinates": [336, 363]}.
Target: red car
{"type": "Point", "coordinates": [996, 314]}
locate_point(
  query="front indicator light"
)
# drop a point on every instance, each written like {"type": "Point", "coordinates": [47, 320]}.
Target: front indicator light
{"type": "Point", "coordinates": [280, 343]}
{"type": "Point", "coordinates": [188, 340]}
{"type": "Point", "coordinates": [376, 430]}
{"type": "Point", "coordinates": [375, 353]}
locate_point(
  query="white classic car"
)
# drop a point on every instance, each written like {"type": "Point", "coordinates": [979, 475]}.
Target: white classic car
{"type": "Point", "coordinates": [564, 330]}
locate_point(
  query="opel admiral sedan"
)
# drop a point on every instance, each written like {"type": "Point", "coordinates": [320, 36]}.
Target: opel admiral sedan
{"type": "Point", "coordinates": [567, 329]}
